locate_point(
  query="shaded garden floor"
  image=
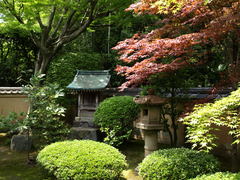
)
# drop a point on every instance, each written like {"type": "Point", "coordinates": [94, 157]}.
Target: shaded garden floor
{"type": "Point", "coordinates": [13, 166]}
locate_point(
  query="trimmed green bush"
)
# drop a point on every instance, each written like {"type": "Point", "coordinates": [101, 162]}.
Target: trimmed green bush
{"type": "Point", "coordinates": [84, 159]}
{"type": "Point", "coordinates": [177, 164]}
{"type": "Point", "coordinates": [219, 176]}
{"type": "Point", "coordinates": [115, 117]}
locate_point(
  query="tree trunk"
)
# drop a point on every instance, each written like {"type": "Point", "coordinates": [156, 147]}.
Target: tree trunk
{"type": "Point", "coordinates": [42, 62]}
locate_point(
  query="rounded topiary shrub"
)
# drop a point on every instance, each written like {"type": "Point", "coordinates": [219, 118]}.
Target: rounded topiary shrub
{"type": "Point", "coordinates": [84, 159]}
{"type": "Point", "coordinates": [115, 117]}
{"type": "Point", "coordinates": [219, 176]}
{"type": "Point", "coordinates": [177, 164]}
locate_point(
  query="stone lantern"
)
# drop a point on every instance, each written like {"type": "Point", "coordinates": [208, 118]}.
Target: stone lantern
{"type": "Point", "coordinates": [150, 122]}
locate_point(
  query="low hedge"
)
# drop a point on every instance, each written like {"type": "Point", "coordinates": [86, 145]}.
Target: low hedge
{"type": "Point", "coordinates": [177, 164]}
{"type": "Point", "coordinates": [219, 176]}
{"type": "Point", "coordinates": [84, 159]}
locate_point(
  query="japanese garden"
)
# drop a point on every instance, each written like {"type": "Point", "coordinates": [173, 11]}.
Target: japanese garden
{"type": "Point", "coordinates": [123, 89]}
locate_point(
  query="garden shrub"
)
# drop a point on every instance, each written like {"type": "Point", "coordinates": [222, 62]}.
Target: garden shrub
{"type": "Point", "coordinates": [219, 176]}
{"type": "Point", "coordinates": [207, 118]}
{"type": "Point", "coordinates": [11, 122]}
{"type": "Point", "coordinates": [44, 119]}
{"type": "Point", "coordinates": [115, 117]}
{"type": "Point", "coordinates": [177, 164]}
{"type": "Point", "coordinates": [82, 159]}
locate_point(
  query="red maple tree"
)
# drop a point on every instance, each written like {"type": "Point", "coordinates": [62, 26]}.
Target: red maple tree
{"type": "Point", "coordinates": [186, 29]}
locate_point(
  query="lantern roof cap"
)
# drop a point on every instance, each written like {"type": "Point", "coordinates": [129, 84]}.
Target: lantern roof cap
{"type": "Point", "coordinates": [150, 100]}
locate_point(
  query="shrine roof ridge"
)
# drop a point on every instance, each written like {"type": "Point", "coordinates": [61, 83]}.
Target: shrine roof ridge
{"type": "Point", "coordinates": [93, 72]}
{"type": "Point", "coordinates": [87, 80]}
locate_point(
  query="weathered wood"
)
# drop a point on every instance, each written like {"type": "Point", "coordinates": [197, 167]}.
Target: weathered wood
{"type": "Point", "coordinates": [79, 105]}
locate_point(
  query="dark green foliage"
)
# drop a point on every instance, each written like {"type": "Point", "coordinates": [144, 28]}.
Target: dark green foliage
{"type": "Point", "coordinates": [219, 176]}
{"type": "Point", "coordinates": [10, 122]}
{"type": "Point", "coordinates": [177, 164]}
{"type": "Point", "coordinates": [83, 159]}
{"type": "Point", "coordinates": [63, 68]}
{"type": "Point", "coordinates": [17, 54]}
{"type": "Point", "coordinates": [115, 117]}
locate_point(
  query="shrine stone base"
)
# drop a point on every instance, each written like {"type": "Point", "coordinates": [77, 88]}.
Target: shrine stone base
{"type": "Point", "coordinates": [84, 133]}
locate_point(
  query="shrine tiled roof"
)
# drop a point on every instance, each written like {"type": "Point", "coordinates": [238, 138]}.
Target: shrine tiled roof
{"type": "Point", "coordinates": [90, 80]}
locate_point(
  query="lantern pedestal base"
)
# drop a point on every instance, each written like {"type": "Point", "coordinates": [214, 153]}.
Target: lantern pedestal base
{"type": "Point", "coordinates": [150, 141]}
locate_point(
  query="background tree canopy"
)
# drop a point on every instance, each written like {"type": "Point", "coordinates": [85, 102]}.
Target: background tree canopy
{"type": "Point", "coordinates": [53, 24]}
{"type": "Point", "coordinates": [91, 49]}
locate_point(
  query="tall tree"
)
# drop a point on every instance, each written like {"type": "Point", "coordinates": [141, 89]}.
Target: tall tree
{"type": "Point", "coordinates": [187, 34]}
{"type": "Point", "coordinates": [53, 23]}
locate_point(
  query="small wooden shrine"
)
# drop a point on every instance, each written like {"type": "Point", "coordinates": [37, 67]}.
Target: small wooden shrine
{"type": "Point", "coordinates": [88, 85]}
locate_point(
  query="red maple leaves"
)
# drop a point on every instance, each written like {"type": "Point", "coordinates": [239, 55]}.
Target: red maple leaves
{"type": "Point", "coordinates": [194, 23]}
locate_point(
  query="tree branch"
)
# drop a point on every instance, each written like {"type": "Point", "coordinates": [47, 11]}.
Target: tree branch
{"type": "Point", "coordinates": [38, 43]}
{"type": "Point", "coordinates": [51, 17]}
{"type": "Point", "coordinates": [66, 38]}
{"type": "Point", "coordinates": [39, 20]}
{"type": "Point", "coordinates": [35, 40]}
{"type": "Point", "coordinates": [12, 10]}
{"type": "Point", "coordinates": [68, 22]}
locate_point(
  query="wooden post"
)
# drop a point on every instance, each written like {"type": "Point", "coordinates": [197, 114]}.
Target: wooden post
{"type": "Point", "coordinates": [97, 99]}
{"type": "Point", "coordinates": [79, 104]}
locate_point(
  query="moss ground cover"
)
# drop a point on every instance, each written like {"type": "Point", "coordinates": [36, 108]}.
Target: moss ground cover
{"type": "Point", "coordinates": [13, 166]}
{"type": "Point", "coordinates": [134, 152]}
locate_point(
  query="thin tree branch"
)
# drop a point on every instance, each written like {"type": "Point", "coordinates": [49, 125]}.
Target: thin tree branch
{"type": "Point", "coordinates": [82, 28]}
{"type": "Point", "coordinates": [68, 22]}
{"type": "Point", "coordinates": [59, 23]}
{"type": "Point", "coordinates": [39, 20]}
{"type": "Point", "coordinates": [73, 29]}
{"type": "Point", "coordinates": [85, 15]}
{"type": "Point", "coordinates": [51, 17]}
{"type": "Point", "coordinates": [12, 10]}
{"type": "Point", "coordinates": [35, 40]}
